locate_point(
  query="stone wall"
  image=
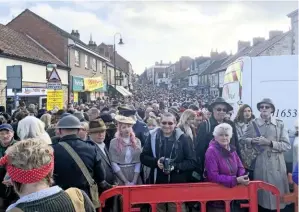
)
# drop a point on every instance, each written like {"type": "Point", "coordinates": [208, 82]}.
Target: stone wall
{"type": "Point", "coordinates": [282, 47]}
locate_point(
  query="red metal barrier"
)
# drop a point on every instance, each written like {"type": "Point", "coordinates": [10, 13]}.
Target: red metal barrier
{"type": "Point", "coordinates": [291, 197]}
{"type": "Point", "coordinates": [191, 192]}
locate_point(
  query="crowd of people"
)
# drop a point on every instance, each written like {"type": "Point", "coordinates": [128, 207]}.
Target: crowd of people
{"type": "Point", "coordinates": [62, 160]}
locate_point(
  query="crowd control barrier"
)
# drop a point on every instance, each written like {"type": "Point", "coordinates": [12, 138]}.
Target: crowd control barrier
{"type": "Point", "coordinates": [291, 197]}
{"type": "Point", "coordinates": [191, 192]}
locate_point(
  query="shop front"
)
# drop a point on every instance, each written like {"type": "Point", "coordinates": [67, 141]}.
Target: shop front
{"type": "Point", "coordinates": [96, 87]}
{"type": "Point", "coordinates": [30, 95]}
{"type": "Point", "coordinates": [78, 90]}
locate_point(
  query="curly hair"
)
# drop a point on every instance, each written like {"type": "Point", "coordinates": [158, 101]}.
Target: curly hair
{"type": "Point", "coordinates": [29, 154]}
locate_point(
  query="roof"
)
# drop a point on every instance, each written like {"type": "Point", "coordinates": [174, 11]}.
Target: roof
{"type": "Point", "coordinates": [213, 66]}
{"type": "Point", "coordinates": [59, 30]}
{"type": "Point", "coordinates": [295, 12]}
{"type": "Point", "coordinates": [261, 47]}
{"type": "Point", "coordinates": [181, 75]}
{"type": "Point", "coordinates": [253, 51]}
{"type": "Point", "coordinates": [16, 44]}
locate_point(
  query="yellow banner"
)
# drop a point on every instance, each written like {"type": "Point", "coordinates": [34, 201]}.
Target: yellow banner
{"type": "Point", "coordinates": [91, 84]}
{"type": "Point", "coordinates": [76, 99]}
{"type": "Point", "coordinates": [54, 99]}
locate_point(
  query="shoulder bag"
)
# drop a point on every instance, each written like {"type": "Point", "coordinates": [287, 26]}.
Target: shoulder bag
{"type": "Point", "coordinates": [93, 187]}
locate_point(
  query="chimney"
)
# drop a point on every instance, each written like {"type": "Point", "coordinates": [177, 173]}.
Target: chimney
{"type": "Point", "coordinates": [91, 43]}
{"type": "Point", "coordinates": [257, 40]}
{"type": "Point", "coordinates": [243, 44]}
{"type": "Point", "coordinates": [161, 62]}
{"type": "Point", "coordinates": [274, 33]}
{"type": "Point", "coordinates": [156, 63]}
{"type": "Point", "coordinates": [75, 33]}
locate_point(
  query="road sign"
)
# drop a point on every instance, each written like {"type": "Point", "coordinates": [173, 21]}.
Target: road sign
{"type": "Point", "coordinates": [54, 77]}
{"type": "Point", "coordinates": [54, 81]}
{"type": "Point", "coordinates": [54, 99]}
{"type": "Point", "coordinates": [54, 86]}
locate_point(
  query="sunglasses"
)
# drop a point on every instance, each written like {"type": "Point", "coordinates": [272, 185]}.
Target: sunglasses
{"type": "Point", "coordinates": [221, 109]}
{"type": "Point", "coordinates": [264, 106]}
{"type": "Point", "coordinates": [167, 123]}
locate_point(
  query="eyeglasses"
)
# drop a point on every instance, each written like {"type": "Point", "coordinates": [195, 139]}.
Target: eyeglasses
{"type": "Point", "coordinates": [264, 106]}
{"type": "Point", "coordinates": [221, 109]}
{"type": "Point", "coordinates": [167, 123]}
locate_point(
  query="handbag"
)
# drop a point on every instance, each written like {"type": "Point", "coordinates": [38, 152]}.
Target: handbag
{"type": "Point", "coordinates": [250, 152]}
{"type": "Point", "coordinates": [93, 187]}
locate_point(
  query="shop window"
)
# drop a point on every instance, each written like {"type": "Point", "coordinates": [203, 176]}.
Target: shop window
{"type": "Point", "coordinates": [77, 58]}
{"type": "Point", "coordinates": [94, 64]}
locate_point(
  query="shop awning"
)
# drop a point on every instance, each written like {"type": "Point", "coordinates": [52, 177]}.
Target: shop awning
{"type": "Point", "coordinates": [123, 91]}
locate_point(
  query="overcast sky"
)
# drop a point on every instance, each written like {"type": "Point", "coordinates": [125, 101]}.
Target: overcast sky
{"type": "Point", "coordinates": [154, 31]}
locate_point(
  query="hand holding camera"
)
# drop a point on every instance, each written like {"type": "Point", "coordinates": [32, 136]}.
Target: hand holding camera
{"type": "Point", "coordinates": [166, 164]}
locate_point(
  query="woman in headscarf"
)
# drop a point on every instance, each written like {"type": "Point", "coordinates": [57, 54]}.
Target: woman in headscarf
{"type": "Point", "coordinates": [125, 150]}
{"type": "Point", "coordinates": [30, 164]}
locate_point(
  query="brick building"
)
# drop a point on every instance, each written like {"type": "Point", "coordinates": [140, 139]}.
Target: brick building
{"type": "Point", "coordinates": [20, 49]}
{"type": "Point", "coordinates": [83, 59]}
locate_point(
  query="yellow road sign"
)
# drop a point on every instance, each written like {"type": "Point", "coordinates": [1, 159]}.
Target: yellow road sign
{"type": "Point", "coordinates": [54, 99]}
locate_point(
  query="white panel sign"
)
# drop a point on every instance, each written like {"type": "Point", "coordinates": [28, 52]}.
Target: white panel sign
{"type": "Point", "coordinates": [29, 92]}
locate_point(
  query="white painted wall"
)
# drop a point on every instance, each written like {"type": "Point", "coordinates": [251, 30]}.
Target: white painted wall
{"type": "Point", "coordinates": [193, 80]}
{"type": "Point", "coordinates": [31, 72]}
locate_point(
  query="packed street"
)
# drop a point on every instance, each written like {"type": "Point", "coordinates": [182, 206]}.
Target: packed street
{"type": "Point", "coordinates": [83, 128]}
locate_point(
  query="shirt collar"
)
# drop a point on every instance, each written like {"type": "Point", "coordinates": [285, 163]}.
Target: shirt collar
{"type": "Point", "coordinates": [36, 196]}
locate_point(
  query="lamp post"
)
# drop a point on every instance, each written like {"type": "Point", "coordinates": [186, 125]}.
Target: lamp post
{"type": "Point", "coordinates": [114, 52]}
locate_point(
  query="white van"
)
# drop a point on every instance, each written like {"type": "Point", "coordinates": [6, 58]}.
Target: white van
{"type": "Point", "coordinates": [250, 79]}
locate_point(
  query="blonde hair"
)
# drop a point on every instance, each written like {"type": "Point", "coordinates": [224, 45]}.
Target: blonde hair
{"type": "Point", "coordinates": [187, 114]}
{"type": "Point", "coordinates": [31, 127]}
{"type": "Point", "coordinates": [85, 125]}
{"type": "Point", "coordinates": [223, 128]}
{"type": "Point", "coordinates": [46, 118]}
{"type": "Point", "coordinates": [29, 154]}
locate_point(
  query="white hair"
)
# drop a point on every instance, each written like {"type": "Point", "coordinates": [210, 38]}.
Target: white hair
{"type": "Point", "coordinates": [31, 127]}
{"type": "Point", "coordinates": [223, 128]}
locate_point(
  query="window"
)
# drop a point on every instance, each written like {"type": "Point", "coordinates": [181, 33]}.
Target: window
{"type": "Point", "coordinates": [107, 54]}
{"type": "Point", "coordinates": [86, 62]}
{"type": "Point", "coordinates": [94, 65]}
{"type": "Point", "coordinates": [77, 58]}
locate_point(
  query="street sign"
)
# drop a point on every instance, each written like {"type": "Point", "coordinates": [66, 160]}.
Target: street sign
{"type": "Point", "coordinates": [54, 86]}
{"type": "Point", "coordinates": [54, 81]}
{"type": "Point", "coordinates": [54, 99]}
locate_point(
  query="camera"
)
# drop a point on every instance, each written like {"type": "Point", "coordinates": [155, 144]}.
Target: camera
{"type": "Point", "coordinates": [168, 165]}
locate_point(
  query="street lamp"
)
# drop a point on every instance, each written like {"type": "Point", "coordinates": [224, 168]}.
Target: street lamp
{"type": "Point", "coordinates": [114, 50]}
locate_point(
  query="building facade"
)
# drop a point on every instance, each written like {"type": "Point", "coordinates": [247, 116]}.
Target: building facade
{"type": "Point", "coordinates": [83, 60]}
{"type": "Point", "coordinates": [19, 49]}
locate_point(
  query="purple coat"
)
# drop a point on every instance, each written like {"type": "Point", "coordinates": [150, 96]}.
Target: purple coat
{"type": "Point", "coordinates": [223, 166]}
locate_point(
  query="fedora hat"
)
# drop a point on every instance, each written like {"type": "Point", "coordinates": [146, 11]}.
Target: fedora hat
{"type": "Point", "coordinates": [266, 101]}
{"type": "Point", "coordinates": [127, 110]}
{"type": "Point", "coordinates": [124, 119]}
{"type": "Point", "coordinates": [220, 101]}
{"type": "Point", "coordinates": [97, 125]}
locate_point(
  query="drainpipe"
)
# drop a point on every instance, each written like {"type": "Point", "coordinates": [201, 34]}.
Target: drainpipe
{"type": "Point", "coordinates": [70, 45]}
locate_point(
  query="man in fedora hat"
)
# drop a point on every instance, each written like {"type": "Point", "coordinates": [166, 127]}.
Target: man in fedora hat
{"type": "Point", "coordinates": [268, 137]}
{"type": "Point", "coordinates": [219, 109]}
{"type": "Point", "coordinates": [97, 134]}
{"type": "Point", "coordinates": [140, 128]}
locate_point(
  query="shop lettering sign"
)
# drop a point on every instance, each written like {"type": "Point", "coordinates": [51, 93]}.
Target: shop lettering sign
{"type": "Point", "coordinates": [78, 84]}
{"type": "Point", "coordinates": [91, 84]}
